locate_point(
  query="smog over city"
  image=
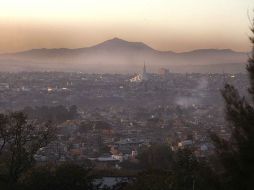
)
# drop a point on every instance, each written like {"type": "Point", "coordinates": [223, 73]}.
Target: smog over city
{"type": "Point", "coordinates": [126, 95]}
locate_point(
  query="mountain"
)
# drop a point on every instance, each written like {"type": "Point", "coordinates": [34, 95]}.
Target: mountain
{"type": "Point", "coordinates": [117, 55]}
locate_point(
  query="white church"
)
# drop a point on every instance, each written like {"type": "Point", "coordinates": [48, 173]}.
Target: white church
{"type": "Point", "coordinates": [141, 77]}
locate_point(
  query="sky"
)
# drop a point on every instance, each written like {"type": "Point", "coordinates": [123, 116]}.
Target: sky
{"type": "Point", "coordinates": [175, 25]}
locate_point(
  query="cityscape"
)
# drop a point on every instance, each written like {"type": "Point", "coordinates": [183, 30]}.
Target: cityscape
{"type": "Point", "coordinates": [109, 118]}
{"type": "Point", "coordinates": [127, 95]}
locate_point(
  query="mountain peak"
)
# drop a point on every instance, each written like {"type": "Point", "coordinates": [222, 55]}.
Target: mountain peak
{"type": "Point", "coordinates": [117, 39]}
{"type": "Point", "coordinates": [120, 43]}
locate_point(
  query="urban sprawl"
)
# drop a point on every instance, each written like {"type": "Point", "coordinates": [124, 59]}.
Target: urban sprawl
{"type": "Point", "coordinates": [109, 118]}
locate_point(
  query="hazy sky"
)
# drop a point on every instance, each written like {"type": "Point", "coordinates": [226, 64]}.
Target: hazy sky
{"type": "Point", "coordinates": [177, 25]}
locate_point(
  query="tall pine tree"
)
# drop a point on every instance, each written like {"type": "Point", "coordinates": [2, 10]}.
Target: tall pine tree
{"type": "Point", "coordinates": [236, 155]}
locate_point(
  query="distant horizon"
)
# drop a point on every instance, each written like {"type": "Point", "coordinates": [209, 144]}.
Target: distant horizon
{"type": "Point", "coordinates": [117, 38]}
{"type": "Point", "coordinates": [175, 25]}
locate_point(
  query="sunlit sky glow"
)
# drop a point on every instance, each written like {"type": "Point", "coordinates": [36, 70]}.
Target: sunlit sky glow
{"type": "Point", "coordinates": [178, 25]}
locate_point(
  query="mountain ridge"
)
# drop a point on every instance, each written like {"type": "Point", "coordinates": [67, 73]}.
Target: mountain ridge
{"type": "Point", "coordinates": [117, 40]}
{"type": "Point", "coordinates": [117, 55]}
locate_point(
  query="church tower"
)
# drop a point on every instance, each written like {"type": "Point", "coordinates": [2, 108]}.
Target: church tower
{"type": "Point", "coordinates": [144, 74]}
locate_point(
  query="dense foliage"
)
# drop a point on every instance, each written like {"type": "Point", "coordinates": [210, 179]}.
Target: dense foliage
{"type": "Point", "coordinates": [20, 139]}
{"type": "Point", "coordinates": [57, 114]}
{"type": "Point", "coordinates": [236, 155]}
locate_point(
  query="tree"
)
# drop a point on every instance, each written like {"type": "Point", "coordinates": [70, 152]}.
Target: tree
{"type": "Point", "coordinates": [56, 114]}
{"type": "Point", "coordinates": [66, 176]}
{"type": "Point", "coordinates": [20, 139]}
{"type": "Point", "coordinates": [184, 172]}
{"type": "Point", "coordinates": [73, 112]}
{"type": "Point", "coordinates": [152, 180]}
{"type": "Point", "coordinates": [156, 157]}
{"type": "Point", "coordinates": [236, 155]}
{"type": "Point", "coordinates": [4, 132]}
{"type": "Point", "coordinates": [192, 174]}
